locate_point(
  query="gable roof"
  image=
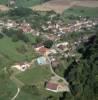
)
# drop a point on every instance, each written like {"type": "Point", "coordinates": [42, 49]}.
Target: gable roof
{"type": "Point", "coordinates": [39, 45]}
{"type": "Point", "coordinates": [42, 50]}
{"type": "Point", "coordinates": [51, 86]}
{"type": "Point", "coordinates": [61, 47]}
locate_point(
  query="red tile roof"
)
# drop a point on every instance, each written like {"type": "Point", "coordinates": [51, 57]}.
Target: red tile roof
{"type": "Point", "coordinates": [52, 86]}
{"type": "Point", "coordinates": [43, 50]}
{"type": "Point", "coordinates": [61, 47]}
{"type": "Point", "coordinates": [39, 45]}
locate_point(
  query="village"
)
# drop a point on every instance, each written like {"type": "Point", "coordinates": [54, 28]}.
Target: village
{"type": "Point", "coordinates": [48, 50]}
{"type": "Point", "coordinates": [51, 56]}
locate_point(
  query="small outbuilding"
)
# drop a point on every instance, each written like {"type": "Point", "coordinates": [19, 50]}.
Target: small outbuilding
{"type": "Point", "coordinates": [42, 61]}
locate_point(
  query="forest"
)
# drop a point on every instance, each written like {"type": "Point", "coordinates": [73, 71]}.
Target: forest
{"type": "Point", "coordinates": [83, 74]}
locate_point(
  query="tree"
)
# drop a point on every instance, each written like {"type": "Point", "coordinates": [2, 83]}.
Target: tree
{"type": "Point", "coordinates": [82, 75]}
{"type": "Point", "coordinates": [48, 43]}
{"type": "Point", "coordinates": [20, 11]}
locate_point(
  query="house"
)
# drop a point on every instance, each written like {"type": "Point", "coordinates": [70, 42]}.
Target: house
{"type": "Point", "coordinates": [51, 51]}
{"type": "Point", "coordinates": [42, 61]}
{"type": "Point", "coordinates": [38, 46]}
{"type": "Point", "coordinates": [21, 66]}
{"type": "Point", "coordinates": [12, 2]}
{"type": "Point", "coordinates": [56, 87]}
{"type": "Point", "coordinates": [63, 46]}
{"type": "Point", "coordinates": [26, 27]}
{"type": "Point", "coordinates": [52, 37]}
{"type": "Point", "coordinates": [43, 51]}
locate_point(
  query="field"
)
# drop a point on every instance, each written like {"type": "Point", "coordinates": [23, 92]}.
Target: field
{"type": "Point", "coordinates": [82, 11]}
{"type": "Point", "coordinates": [57, 5]}
{"type": "Point", "coordinates": [36, 76]}
{"type": "Point", "coordinates": [27, 3]}
{"type": "Point", "coordinates": [7, 87]}
{"type": "Point", "coordinates": [87, 3]}
{"type": "Point", "coordinates": [3, 1]}
{"type": "Point", "coordinates": [11, 52]}
{"type": "Point", "coordinates": [23, 3]}
{"type": "Point", "coordinates": [60, 5]}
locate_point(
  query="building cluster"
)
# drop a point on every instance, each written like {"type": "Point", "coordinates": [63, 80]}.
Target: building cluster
{"type": "Point", "coordinates": [60, 28]}
{"type": "Point", "coordinates": [23, 66]}
{"type": "Point", "coordinates": [51, 31]}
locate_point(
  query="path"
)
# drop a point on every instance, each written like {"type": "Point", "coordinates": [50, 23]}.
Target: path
{"type": "Point", "coordinates": [18, 82]}
{"type": "Point", "coordinates": [18, 91]}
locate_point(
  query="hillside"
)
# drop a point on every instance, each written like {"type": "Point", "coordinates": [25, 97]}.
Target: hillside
{"type": "Point", "coordinates": [60, 5]}
{"type": "Point", "coordinates": [23, 3]}
{"type": "Point", "coordinates": [83, 75]}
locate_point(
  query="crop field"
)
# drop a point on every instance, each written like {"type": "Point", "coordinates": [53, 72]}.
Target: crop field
{"type": "Point", "coordinates": [87, 3]}
{"type": "Point", "coordinates": [57, 5]}
{"type": "Point", "coordinates": [60, 5]}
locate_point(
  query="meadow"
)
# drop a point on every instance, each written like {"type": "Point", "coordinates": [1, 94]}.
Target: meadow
{"type": "Point", "coordinates": [11, 52]}
{"type": "Point", "coordinates": [82, 11]}
{"type": "Point", "coordinates": [36, 76]}
{"type": "Point", "coordinates": [23, 3]}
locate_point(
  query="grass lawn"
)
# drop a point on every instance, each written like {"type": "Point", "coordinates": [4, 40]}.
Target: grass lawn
{"type": "Point", "coordinates": [82, 11]}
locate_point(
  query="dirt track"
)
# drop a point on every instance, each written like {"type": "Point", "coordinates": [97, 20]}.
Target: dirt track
{"type": "Point", "coordinates": [60, 5]}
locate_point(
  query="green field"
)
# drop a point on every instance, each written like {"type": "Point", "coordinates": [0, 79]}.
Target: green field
{"type": "Point", "coordinates": [27, 3]}
{"type": "Point", "coordinates": [36, 75]}
{"type": "Point", "coordinates": [23, 3]}
{"type": "Point", "coordinates": [11, 52]}
{"type": "Point", "coordinates": [7, 87]}
{"type": "Point", "coordinates": [3, 1]}
{"type": "Point", "coordinates": [82, 11]}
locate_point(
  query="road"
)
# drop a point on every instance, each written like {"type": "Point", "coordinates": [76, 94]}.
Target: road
{"type": "Point", "coordinates": [18, 91]}
{"type": "Point", "coordinates": [64, 80]}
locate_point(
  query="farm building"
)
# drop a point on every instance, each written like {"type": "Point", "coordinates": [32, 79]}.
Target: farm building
{"type": "Point", "coordinates": [56, 87]}
{"type": "Point", "coordinates": [21, 66]}
{"type": "Point", "coordinates": [42, 61]}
